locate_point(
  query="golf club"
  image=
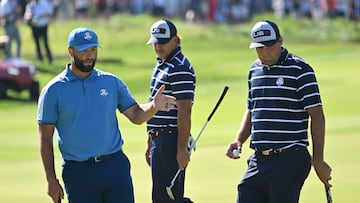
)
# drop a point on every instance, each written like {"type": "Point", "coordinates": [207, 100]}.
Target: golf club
{"type": "Point", "coordinates": [193, 144]}
{"type": "Point", "coordinates": [328, 194]}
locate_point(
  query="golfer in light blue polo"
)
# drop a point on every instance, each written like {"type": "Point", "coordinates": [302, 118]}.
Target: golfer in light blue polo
{"type": "Point", "coordinates": [80, 105]}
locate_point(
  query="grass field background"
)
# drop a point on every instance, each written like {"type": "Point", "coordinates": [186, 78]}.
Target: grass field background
{"type": "Point", "coordinates": [221, 57]}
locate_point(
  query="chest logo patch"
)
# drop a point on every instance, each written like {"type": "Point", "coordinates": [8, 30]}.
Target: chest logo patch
{"type": "Point", "coordinates": [104, 92]}
{"type": "Point", "coordinates": [280, 81]}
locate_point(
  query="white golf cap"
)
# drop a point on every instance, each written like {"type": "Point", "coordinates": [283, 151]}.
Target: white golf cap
{"type": "Point", "coordinates": [161, 32]}
{"type": "Point", "coordinates": [264, 33]}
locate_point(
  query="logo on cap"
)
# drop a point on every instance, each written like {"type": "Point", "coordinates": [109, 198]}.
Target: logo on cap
{"type": "Point", "coordinates": [264, 33]}
{"type": "Point", "coordinates": [87, 36]}
{"type": "Point", "coordinates": [158, 31]}
{"type": "Point", "coordinates": [82, 38]}
{"type": "Point", "coordinates": [161, 32]}
{"type": "Point", "coordinates": [261, 33]}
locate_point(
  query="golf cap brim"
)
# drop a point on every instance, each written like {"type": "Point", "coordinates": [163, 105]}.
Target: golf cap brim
{"type": "Point", "coordinates": [154, 40]}
{"type": "Point", "coordinates": [262, 44]}
{"type": "Point", "coordinates": [86, 46]}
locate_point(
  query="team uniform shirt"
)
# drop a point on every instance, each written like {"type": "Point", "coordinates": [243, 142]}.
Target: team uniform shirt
{"type": "Point", "coordinates": [278, 98]}
{"type": "Point", "coordinates": [84, 112]}
{"type": "Point", "coordinates": [178, 75]}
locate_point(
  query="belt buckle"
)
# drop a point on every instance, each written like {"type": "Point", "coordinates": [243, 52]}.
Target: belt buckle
{"type": "Point", "coordinates": [154, 133]}
{"type": "Point", "coordinates": [272, 151]}
{"type": "Point", "coordinates": [275, 151]}
{"type": "Point", "coordinates": [267, 152]}
{"type": "Point", "coordinates": [97, 159]}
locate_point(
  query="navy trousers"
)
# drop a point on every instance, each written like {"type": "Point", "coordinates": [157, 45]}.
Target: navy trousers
{"type": "Point", "coordinates": [164, 167]}
{"type": "Point", "coordinates": [276, 178]}
{"type": "Point", "coordinates": [107, 181]}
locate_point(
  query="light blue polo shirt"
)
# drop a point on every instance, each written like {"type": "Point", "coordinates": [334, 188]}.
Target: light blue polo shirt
{"type": "Point", "coordinates": [84, 112]}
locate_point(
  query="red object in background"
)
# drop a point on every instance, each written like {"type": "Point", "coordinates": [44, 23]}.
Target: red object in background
{"type": "Point", "coordinates": [18, 75]}
{"type": "Point", "coordinates": [212, 10]}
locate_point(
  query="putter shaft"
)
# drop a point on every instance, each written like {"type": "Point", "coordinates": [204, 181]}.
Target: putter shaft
{"type": "Point", "coordinates": [168, 189]}
{"type": "Point", "coordinates": [328, 194]}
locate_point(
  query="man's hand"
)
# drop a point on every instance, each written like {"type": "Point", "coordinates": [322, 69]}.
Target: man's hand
{"type": "Point", "coordinates": [163, 102]}
{"type": "Point", "coordinates": [147, 151]}
{"type": "Point", "coordinates": [231, 147]}
{"type": "Point", "coordinates": [55, 191]}
{"type": "Point", "coordinates": [183, 158]}
{"type": "Point", "coordinates": [323, 171]}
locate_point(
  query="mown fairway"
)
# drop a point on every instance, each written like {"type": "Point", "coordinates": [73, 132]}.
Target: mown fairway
{"type": "Point", "coordinates": [221, 57]}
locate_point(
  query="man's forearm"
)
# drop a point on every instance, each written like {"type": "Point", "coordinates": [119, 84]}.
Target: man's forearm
{"type": "Point", "coordinates": [184, 126]}
{"type": "Point", "coordinates": [317, 127]}
{"type": "Point", "coordinates": [184, 123]}
{"type": "Point", "coordinates": [245, 128]}
{"type": "Point", "coordinates": [145, 112]}
{"type": "Point", "coordinates": [318, 139]}
{"type": "Point", "coordinates": [47, 156]}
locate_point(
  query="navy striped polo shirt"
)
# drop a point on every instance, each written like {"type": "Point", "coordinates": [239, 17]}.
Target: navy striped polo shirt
{"type": "Point", "coordinates": [278, 98]}
{"type": "Point", "coordinates": [178, 75]}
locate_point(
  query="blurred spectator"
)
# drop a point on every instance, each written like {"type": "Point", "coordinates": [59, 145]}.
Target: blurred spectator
{"type": "Point", "coordinates": [355, 10]}
{"type": "Point", "coordinates": [38, 14]}
{"type": "Point", "coordinates": [65, 9]}
{"type": "Point", "coordinates": [9, 12]}
{"type": "Point", "coordinates": [298, 8]}
{"type": "Point", "coordinates": [213, 8]}
{"type": "Point", "coordinates": [259, 6]}
{"type": "Point", "coordinates": [342, 8]}
{"type": "Point", "coordinates": [136, 6]}
{"type": "Point", "coordinates": [172, 8]}
{"type": "Point", "coordinates": [283, 8]}
{"type": "Point", "coordinates": [221, 11]}
{"type": "Point", "coordinates": [319, 9]}
{"type": "Point", "coordinates": [158, 8]}
{"type": "Point", "coordinates": [239, 11]}
{"type": "Point", "coordinates": [302, 9]}
{"type": "Point", "coordinates": [213, 11]}
{"type": "Point", "coordinates": [22, 4]}
{"type": "Point", "coordinates": [193, 11]}
{"type": "Point", "coordinates": [81, 8]}
{"type": "Point", "coordinates": [103, 7]}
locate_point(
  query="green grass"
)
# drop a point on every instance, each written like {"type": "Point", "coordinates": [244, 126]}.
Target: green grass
{"type": "Point", "coordinates": [221, 57]}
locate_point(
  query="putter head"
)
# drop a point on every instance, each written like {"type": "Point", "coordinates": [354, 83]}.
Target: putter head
{"type": "Point", "coordinates": [169, 192]}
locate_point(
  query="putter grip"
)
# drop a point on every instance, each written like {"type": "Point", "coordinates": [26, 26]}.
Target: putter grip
{"type": "Point", "coordinates": [226, 88]}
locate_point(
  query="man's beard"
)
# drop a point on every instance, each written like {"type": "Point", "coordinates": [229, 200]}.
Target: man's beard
{"type": "Point", "coordinates": [83, 68]}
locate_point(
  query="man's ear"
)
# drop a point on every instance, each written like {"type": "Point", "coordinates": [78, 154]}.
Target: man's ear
{"type": "Point", "coordinates": [280, 40]}
{"type": "Point", "coordinates": [70, 51]}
